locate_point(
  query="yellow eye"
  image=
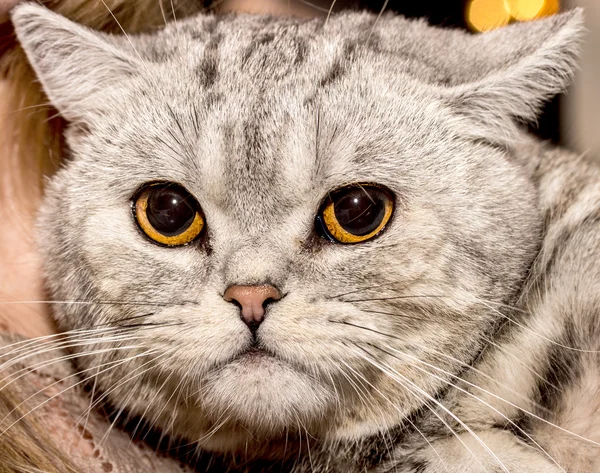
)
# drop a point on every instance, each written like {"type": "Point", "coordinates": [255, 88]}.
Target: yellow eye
{"type": "Point", "coordinates": [356, 213]}
{"type": "Point", "coordinates": [168, 214]}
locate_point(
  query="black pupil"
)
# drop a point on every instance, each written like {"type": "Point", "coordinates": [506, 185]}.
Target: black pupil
{"type": "Point", "coordinates": [170, 210]}
{"type": "Point", "coordinates": [360, 211]}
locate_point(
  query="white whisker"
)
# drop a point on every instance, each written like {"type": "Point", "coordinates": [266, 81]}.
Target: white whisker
{"type": "Point", "coordinates": [405, 381]}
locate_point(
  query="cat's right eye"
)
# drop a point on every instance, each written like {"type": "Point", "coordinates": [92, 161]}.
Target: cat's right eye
{"type": "Point", "coordinates": [168, 214]}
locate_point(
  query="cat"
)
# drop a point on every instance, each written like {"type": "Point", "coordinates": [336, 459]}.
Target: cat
{"type": "Point", "coordinates": [327, 245]}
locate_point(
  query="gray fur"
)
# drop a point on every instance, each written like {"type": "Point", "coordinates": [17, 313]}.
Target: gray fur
{"type": "Point", "coordinates": [260, 118]}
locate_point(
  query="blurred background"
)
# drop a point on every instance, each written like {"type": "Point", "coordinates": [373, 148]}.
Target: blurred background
{"type": "Point", "coordinates": [572, 119]}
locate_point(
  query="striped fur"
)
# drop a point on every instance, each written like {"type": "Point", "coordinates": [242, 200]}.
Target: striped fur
{"type": "Point", "coordinates": [464, 339]}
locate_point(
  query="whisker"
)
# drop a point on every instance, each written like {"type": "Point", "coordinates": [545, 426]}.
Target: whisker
{"type": "Point", "coordinates": [403, 316]}
{"type": "Point", "coordinates": [312, 5]}
{"type": "Point", "coordinates": [405, 418]}
{"type": "Point", "coordinates": [367, 288]}
{"type": "Point", "coordinates": [3, 432]}
{"type": "Point", "coordinates": [330, 10]}
{"type": "Point", "coordinates": [499, 398]}
{"type": "Point", "coordinates": [524, 365]}
{"type": "Point", "coordinates": [395, 375]}
{"type": "Point", "coordinates": [100, 302]}
{"type": "Point", "coordinates": [385, 4]}
{"type": "Point", "coordinates": [120, 383]}
{"type": "Point", "coordinates": [465, 392]}
{"type": "Point", "coordinates": [28, 369]}
{"type": "Point", "coordinates": [464, 364]}
{"type": "Point", "coordinates": [487, 304]}
{"type": "Point", "coordinates": [174, 16]}
{"type": "Point", "coordinates": [32, 341]}
{"type": "Point", "coordinates": [157, 416]}
{"type": "Point", "coordinates": [162, 12]}
{"type": "Point", "coordinates": [530, 330]}
{"type": "Point", "coordinates": [116, 418]}
{"type": "Point", "coordinates": [395, 298]}
{"type": "Point", "coordinates": [123, 30]}
{"type": "Point", "coordinates": [61, 346]}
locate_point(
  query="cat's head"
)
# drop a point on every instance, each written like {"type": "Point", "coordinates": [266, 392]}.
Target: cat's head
{"type": "Point", "coordinates": [356, 177]}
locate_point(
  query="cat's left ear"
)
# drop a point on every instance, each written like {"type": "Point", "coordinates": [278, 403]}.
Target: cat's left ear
{"type": "Point", "coordinates": [73, 63]}
{"type": "Point", "coordinates": [518, 69]}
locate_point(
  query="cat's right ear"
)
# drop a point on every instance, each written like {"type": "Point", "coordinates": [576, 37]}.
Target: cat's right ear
{"type": "Point", "coordinates": [73, 63]}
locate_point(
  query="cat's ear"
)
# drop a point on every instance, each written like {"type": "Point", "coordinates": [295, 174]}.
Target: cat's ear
{"type": "Point", "coordinates": [519, 68]}
{"type": "Point", "coordinates": [73, 63]}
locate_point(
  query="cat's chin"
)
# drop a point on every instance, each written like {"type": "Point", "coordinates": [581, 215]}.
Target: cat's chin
{"type": "Point", "coordinates": [259, 396]}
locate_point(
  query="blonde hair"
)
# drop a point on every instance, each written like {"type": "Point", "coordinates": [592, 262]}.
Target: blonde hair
{"type": "Point", "coordinates": [33, 138]}
{"type": "Point", "coordinates": [26, 446]}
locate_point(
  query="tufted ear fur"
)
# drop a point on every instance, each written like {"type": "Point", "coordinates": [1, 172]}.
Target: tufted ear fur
{"type": "Point", "coordinates": [72, 62]}
{"type": "Point", "coordinates": [521, 66]}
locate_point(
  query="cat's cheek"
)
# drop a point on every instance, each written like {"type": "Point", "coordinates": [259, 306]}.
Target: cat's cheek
{"type": "Point", "coordinates": [121, 254]}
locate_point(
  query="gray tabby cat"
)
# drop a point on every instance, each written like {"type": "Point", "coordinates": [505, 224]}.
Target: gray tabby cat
{"type": "Point", "coordinates": [327, 244]}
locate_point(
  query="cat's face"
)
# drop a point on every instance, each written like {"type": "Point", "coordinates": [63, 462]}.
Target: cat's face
{"type": "Point", "coordinates": [261, 121]}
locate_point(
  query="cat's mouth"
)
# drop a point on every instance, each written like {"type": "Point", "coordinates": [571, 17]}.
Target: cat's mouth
{"type": "Point", "coordinates": [255, 353]}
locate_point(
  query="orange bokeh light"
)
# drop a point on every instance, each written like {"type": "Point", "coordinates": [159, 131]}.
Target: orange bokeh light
{"type": "Point", "coordinates": [484, 15]}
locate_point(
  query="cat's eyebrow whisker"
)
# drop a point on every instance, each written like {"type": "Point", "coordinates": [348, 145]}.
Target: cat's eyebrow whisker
{"type": "Point", "coordinates": [162, 12]}
{"type": "Point", "coordinates": [329, 12]}
{"type": "Point", "coordinates": [312, 5]}
{"type": "Point", "coordinates": [520, 429]}
{"type": "Point", "coordinates": [404, 381]}
{"type": "Point", "coordinates": [174, 16]}
{"type": "Point", "coordinates": [385, 4]}
{"type": "Point", "coordinates": [123, 30]}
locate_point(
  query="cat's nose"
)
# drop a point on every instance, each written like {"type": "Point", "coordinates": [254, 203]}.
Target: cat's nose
{"type": "Point", "coordinates": [252, 301]}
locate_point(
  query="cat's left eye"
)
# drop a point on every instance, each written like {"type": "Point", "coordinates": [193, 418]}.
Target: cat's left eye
{"type": "Point", "coordinates": [168, 214]}
{"type": "Point", "coordinates": [356, 213]}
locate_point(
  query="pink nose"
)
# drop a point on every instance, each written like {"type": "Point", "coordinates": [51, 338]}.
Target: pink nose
{"type": "Point", "coordinates": [252, 300]}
